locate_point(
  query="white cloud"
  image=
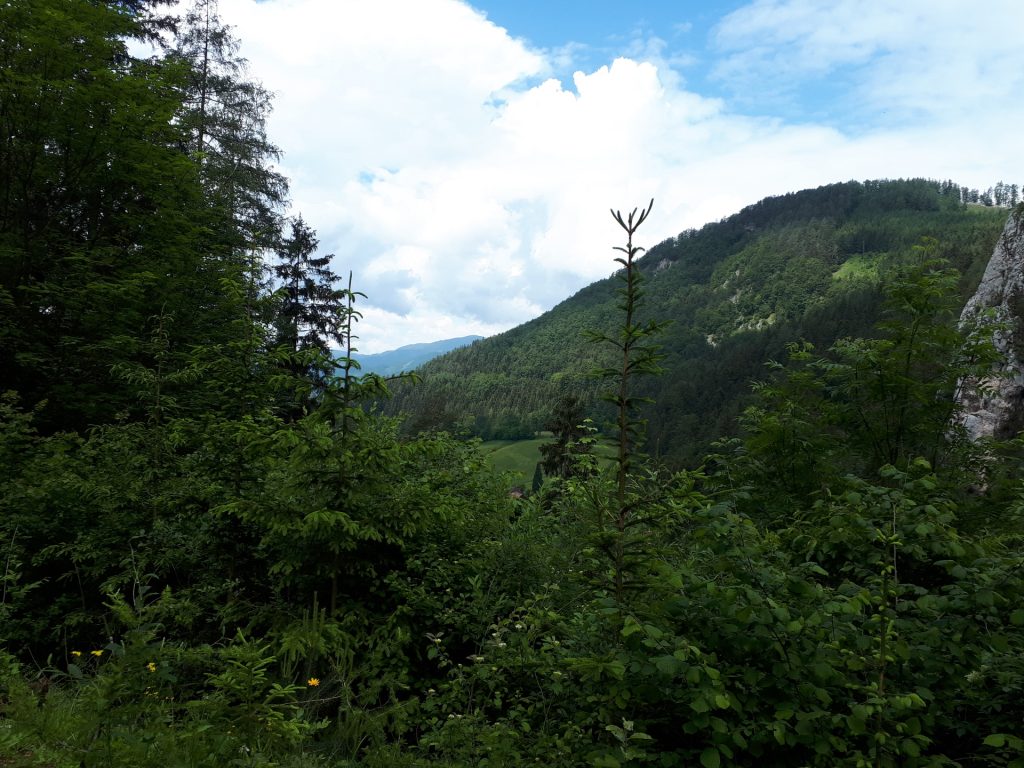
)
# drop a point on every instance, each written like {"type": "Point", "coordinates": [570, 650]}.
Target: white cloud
{"type": "Point", "coordinates": [912, 57]}
{"type": "Point", "coordinates": [469, 194]}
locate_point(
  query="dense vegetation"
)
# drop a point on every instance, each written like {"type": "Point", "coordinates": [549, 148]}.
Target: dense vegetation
{"type": "Point", "coordinates": [214, 554]}
{"type": "Point", "coordinates": [803, 266]}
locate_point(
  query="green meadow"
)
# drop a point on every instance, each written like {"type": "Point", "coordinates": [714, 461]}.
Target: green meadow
{"type": "Point", "coordinates": [517, 456]}
{"type": "Point", "coordinates": [520, 457]}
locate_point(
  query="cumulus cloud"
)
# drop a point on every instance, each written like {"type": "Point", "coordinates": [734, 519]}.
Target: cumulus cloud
{"type": "Point", "coordinates": [468, 188]}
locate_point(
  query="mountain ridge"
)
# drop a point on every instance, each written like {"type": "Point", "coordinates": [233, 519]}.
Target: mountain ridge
{"type": "Point", "coordinates": [409, 356]}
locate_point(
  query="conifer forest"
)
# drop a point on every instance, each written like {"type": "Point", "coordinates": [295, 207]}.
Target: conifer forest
{"type": "Point", "coordinates": [759, 533]}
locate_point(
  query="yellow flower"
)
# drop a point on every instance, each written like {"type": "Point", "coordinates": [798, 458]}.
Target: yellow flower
{"type": "Point", "coordinates": [313, 682]}
{"type": "Point", "coordinates": [76, 654]}
{"type": "Point", "coordinates": [97, 654]}
{"type": "Point", "coordinates": [151, 666]}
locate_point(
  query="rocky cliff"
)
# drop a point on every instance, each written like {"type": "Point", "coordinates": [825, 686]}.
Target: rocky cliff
{"type": "Point", "coordinates": [994, 407]}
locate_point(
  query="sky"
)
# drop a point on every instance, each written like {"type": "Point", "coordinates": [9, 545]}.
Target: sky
{"type": "Point", "coordinates": [461, 158]}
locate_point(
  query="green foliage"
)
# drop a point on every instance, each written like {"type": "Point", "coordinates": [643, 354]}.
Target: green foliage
{"type": "Point", "coordinates": [96, 206]}
{"type": "Point", "coordinates": [210, 557]}
{"type": "Point", "coordinates": [870, 402]}
{"type": "Point", "coordinates": [901, 388]}
{"type": "Point", "coordinates": [141, 701]}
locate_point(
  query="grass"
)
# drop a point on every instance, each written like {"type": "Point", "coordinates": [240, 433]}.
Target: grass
{"type": "Point", "coordinates": [520, 457]}
{"type": "Point", "coordinates": [517, 456]}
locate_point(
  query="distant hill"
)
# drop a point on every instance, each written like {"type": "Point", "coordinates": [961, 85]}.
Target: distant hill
{"type": "Point", "coordinates": [409, 357]}
{"type": "Point", "coordinates": [805, 265]}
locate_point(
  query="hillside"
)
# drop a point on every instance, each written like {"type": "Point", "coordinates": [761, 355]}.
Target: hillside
{"type": "Point", "coordinates": [805, 265]}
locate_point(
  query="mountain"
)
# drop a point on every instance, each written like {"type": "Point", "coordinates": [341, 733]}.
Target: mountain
{"type": "Point", "coordinates": [802, 266]}
{"type": "Point", "coordinates": [409, 357]}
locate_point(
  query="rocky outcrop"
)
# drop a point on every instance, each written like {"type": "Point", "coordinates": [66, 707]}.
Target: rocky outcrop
{"type": "Point", "coordinates": [994, 406]}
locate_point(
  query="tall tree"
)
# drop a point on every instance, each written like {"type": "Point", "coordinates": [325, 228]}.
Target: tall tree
{"type": "Point", "coordinates": [224, 118]}
{"type": "Point", "coordinates": [311, 314]}
{"type": "Point", "coordinates": [97, 206]}
{"type": "Point", "coordinates": [223, 122]}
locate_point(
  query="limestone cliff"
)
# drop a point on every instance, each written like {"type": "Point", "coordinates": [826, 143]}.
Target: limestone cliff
{"type": "Point", "coordinates": [994, 407]}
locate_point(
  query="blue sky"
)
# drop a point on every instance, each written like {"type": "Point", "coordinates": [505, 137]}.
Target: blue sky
{"type": "Point", "coordinates": [600, 23]}
{"type": "Point", "coordinates": [461, 157]}
{"type": "Point", "coordinates": [693, 41]}
{"type": "Point", "coordinates": [599, 30]}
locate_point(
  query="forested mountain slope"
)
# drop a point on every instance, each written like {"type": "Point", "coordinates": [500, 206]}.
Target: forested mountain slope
{"type": "Point", "coordinates": [805, 265]}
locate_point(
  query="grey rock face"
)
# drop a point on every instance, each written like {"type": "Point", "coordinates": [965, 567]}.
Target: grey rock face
{"type": "Point", "coordinates": [994, 407]}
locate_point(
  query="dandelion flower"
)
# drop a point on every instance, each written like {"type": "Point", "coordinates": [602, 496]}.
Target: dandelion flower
{"type": "Point", "coordinates": [151, 666]}
{"type": "Point", "coordinates": [76, 654]}
{"type": "Point", "coordinates": [97, 654]}
{"type": "Point", "coordinates": [313, 682]}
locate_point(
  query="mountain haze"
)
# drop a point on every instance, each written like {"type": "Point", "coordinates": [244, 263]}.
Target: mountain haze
{"type": "Point", "coordinates": [410, 356]}
{"type": "Point", "coordinates": [801, 266]}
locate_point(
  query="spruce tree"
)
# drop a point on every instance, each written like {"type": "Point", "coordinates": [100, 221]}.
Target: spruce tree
{"type": "Point", "coordinates": [566, 424]}
{"type": "Point", "coordinates": [98, 209]}
{"type": "Point", "coordinates": [310, 316]}
{"type": "Point", "coordinates": [637, 355]}
{"type": "Point", "coordinates": [224, 118]}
